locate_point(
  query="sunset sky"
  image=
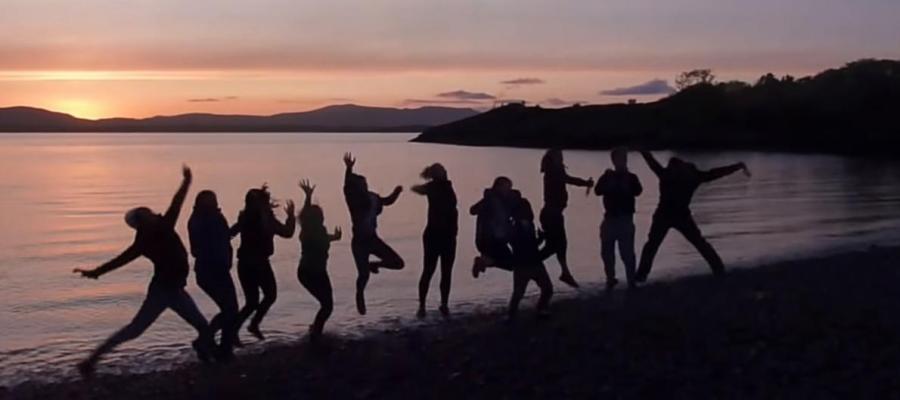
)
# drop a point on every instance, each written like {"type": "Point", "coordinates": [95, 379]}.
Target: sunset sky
{"type": "Point", "coordinates": [96, 58]}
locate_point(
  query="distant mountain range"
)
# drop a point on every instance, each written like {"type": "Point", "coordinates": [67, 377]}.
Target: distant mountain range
{"type": "Point", "coordinates": [851, 109]}
{"type": "Point", "coordinates": [337, 118]}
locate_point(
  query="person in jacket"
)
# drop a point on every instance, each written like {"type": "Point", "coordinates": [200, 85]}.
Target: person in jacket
{"type": "Point", "coordinates": [678, 181]}
{"type": "Point", "coordinates": [258, 227]}
{"type": "Point", "coordinates": [208, 231]}
{"type": "Point", "coordinates": [494, 226]}
{"type": "Point", "coordinates": [619, 187]}
{"type": "Point", "coordinates": [156, 239]}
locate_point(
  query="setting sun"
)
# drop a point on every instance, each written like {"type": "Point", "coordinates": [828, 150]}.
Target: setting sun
{"type": "Point", "coordinates": [80, 108]}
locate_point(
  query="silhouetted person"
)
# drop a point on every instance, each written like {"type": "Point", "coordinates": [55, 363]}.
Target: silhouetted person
{"type": "Point", "coordinates": [529, 261]}
{"type": "Point", "coordinates": [619, 187]}
{"type": "Point", "coordinates": [365, 207]}
{"type": "Point", "coordinates": [439, 238]}
{"type": "Point", "coordinates": [494, 226]}
{"type": "Point", "coordinates": [258, 226]}
{"type": "Point", "coordinates": [314, 244]}
{"type": "Point", "coordinates": [210, 240]}
{"type": "Point", "coordinates": [156, 239]}
{"type": "Point", "coordinates": [556, 198]}
{"type": "Point", "coordinates": [677, 183]}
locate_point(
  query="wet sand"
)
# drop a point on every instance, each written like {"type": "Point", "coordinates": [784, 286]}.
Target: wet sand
{"type": "Point", "coordinates": [813, 328]}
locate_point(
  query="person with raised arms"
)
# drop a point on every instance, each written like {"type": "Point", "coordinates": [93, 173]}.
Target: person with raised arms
{"type": "Point", "coordinates": [156, 239]}
{"type": "Point", "coordinates": [365, 206]}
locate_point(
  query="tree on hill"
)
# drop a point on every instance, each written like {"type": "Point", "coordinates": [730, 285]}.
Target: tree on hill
{"type": "Point", "coordinates": [694, 77]}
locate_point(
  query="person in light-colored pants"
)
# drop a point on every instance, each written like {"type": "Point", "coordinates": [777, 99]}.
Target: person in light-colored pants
{"type": "Point", "coordinates": [613, 230]}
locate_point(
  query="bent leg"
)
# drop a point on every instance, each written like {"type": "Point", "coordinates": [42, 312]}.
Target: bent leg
{"type": "Point", "coordinates": [248, 277]}
{"type": "Point", "coordinates": [692, 233]}
{"type": "Point", "coordinates": [388, 257]}
{"type": "Point", "coordinates": [542, 279]}
{"type": "Point", "coordinates": [361, 250]}
{"type": "Point", "coordinates": [520, 283]}
{"type": "Point", "coordinates": [270, 293]}
{"type": "Point", "coordinates": [502, 255]}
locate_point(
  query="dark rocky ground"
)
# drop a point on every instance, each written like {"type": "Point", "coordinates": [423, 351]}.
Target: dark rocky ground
{"type": "Point", "coordinates": [817, 328]}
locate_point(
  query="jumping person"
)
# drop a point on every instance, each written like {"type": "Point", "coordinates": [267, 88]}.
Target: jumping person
{"type": "Point", "coordinates": [314, 244]}
{"type": "Point", "coordinates": [529, 261]}
{"type": "Point", "coordinates": [494, 226]}
{"type": "Point", "coordinates": [210, 240]}
{"type": "Point", "coordinates": [677, 183]}
{"type": "Point", "coordinates": [439, 238]}
{"type": "Point", "coordinates": [156, 239]}
{"type": "Point", "coordinates": [556, 198]}
{"type": "Point", "coordinates": [258, 226]}
{"type": "Point", "coordinates": [619, 187]}
{"type": "Point", "coordinates": [365, 207]}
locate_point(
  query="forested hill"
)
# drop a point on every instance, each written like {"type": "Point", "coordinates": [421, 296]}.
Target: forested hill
{"type": "Point", "coordinates": [852, 109]}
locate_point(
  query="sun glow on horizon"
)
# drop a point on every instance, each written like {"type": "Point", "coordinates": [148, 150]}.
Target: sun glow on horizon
{"type": "Point", "coordinates": [80, 108]}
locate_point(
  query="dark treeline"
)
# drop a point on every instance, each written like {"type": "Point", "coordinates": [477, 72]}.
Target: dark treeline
{"type": "Point", "coordinates": [848, 110]}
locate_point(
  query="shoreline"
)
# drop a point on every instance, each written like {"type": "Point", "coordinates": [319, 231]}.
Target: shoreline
{"type": "Point", "coordinates": [810, 327]}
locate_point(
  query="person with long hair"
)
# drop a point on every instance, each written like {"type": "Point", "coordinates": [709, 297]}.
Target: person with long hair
{"type": "Point", "coordinates": [258, 227]}
{"type": "Point", "coordinates": [210, 240]}
{"type": "Point", "coordinates": [365, 207]}
{"type": "Point", "coordinates": [156, 239]}
{"type": "Point", "coordinates": [556, 199]}
{"type": "Point", "coordinates": [439, 238]}
{"type": "Point", "coordinates": [312, 271]}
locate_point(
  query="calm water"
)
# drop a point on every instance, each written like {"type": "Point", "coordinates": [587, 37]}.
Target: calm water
{"type": "Point", "coordinates": [62, 199]}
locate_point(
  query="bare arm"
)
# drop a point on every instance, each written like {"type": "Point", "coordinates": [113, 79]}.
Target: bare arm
{"type": "Point", "coordinates": [127, 256]}
{"type": "Point", "coordinates": [654, 165]}
{"type": "Point", "coordinates": [236, 228]}
{"type": "Point", "coordinates": [334, 237]}
{"type": "Point", "coordinates": [171, 215]}
{"type": "Point", "coordinates": [421, 189]}
{"type": "Point", "coordinates": [392, 198]}
{"type": "Point", "coordinates": [308, 190]}
{"type": "Point", "coordinates": [286, 229]}
{"type": "Point", "coordinates": [576, 181]}
{"type": "Point", "coordinates": [716, 173]}
{"type": "Point", "coordinates": [349, 162]}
